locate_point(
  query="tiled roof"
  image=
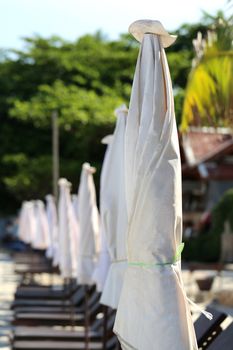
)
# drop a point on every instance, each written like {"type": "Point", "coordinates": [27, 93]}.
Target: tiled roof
{"type": "Point", "coordinates": [200, 145]}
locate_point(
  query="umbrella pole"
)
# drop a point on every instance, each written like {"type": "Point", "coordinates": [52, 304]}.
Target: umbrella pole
{"type": "Point", "coordinates": [51, 274]}
{"type": "Point", "coordinates": [118, 346]}
{"type": "Point", "coordinates": [72, 310]}
{"type": "Point", "coordinates": [86, 319]}
{"type": "Point", "coordinates": [30, 278]}
{"type": "Point", "coordinates": [105, 323]}
{"type": "Point", "coordinates": [64, 288]}
{"type": "Point", "coordinates": [55, 153]}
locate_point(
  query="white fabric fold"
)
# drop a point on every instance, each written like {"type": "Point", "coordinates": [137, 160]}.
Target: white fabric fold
{"type": "Point", "coordinates": [51, 212]}
{"type": "Point", "coordinates": [22, 223]}
{"type": "Point", "coordinates": [42, 238]}
{"type": "Point", "coordinates": [103, 260]}
{"type": "Point", "coordinates": [68, 232]}
{"type": "Point", "coordinates": [113, 210]}
{"type": "Point", "coordinates": [102, 264]}
{"type": "Point", "coordinates": [153, 312]}
{"type": "Point", "coordinates": [88, 239]}
{"type": "Point", "coordinates": [27, 223]}
{"type": "Point", "coordinates": [75, 204]}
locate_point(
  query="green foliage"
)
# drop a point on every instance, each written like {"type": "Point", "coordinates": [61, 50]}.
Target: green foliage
{"type": "Point", "coordinates": [27, 177]}
{"type": "Point", "coordinates": [209, 95]}
{"type": "Point", "coordinates": [209, 92]}
{"type": "Point", "coordinates": [222, 212]}
{"type": "Point", "coordinates": [207, 246]}
{"type": "Point", "coordinates": [84, 82]}
{"type": "Point", "coordinates": [74, 105]}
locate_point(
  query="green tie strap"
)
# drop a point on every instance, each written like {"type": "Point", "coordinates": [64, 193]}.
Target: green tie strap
{"type": "Point", "coordinates": [176, 258]}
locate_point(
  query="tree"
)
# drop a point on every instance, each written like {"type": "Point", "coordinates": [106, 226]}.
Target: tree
{"type": "Point", "coordinates": [84, 81]}
{"type": "Point", "coordinates": [209, 92]}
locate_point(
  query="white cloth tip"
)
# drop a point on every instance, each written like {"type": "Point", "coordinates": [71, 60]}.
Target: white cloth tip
{"type": "Point", "coordinates": [121, 109]}
{"type": "Point", "coordinates": [106, 140]}
{"type": "Point", "coordinates": [207, 314]}
{"type": "Point", "coordinates": [204, 312]}
{"type": "Point", "coordinates": [89, 168]}
{"type": "Point", "coordinates": [148, 26]}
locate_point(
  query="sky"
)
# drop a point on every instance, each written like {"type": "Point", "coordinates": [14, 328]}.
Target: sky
{"type": "Point", "coordinates": [72, 18]}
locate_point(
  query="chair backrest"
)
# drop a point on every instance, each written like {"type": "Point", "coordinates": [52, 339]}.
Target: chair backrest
{"type": "Point", "coordinates": [98, 323]}
{"type": "Point", "coordinates": [112, 343]}
{"type": "Point", "coordinates": [223, 341]}
{"type": "Point", "coordinates": [93, 299]}
{"type": "Point", "coordinates": [95, 308]}
{"type": "Point", "coordinates": [78, 296]}
{"type": "Point", "coordinates": [206, 330]}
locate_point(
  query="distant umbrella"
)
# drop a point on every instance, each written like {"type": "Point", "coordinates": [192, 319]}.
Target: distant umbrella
{"type": "Point", "coordinates": [51, 212]}
{"type": "Point", "coordinates": [75, 204]}
{"type": "Point", "coordinates": [67, 232]}
{"type": "Point", "coordinates": [113, 210]}
{"type": "Point", "coordinates": [23, 233]}
{"type": "Point", "coordinates": [88, 241]}
{"type": "Point", "coordinates": [42, 238]}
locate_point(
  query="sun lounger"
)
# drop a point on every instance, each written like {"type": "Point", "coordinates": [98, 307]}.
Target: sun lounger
{"type": "Point", "coordinates": [56, 318]}
{"type": "Point", "coordinates": [206, 330]}
{"type": "Point", "coordinates": [75, 298]}
{"type": "Point", "coordinates": [48, 333]}
{"type": "Point", "coordinates": [223, 341]}
{"type": "Point", "coordinates": [62, 345]}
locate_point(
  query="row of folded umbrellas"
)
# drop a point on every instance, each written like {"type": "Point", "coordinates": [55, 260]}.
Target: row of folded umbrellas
{"type": "Point", "coordinates": [132, 249]}
{"type": "Point", "coordinates": [73, 233]}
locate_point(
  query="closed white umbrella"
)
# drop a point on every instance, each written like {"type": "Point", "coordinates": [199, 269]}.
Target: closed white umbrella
{"type": "Point", "coordinates": [31, 222]}
{"type": "Point", "coordinates": [88, 242]}
{"type": "Point", "coordinates": [103, 262]}
{"type": "Point", "coordinates": [51, 212]}
{"type": "Point", "coordinates": [27, 222]}
{"type": "Point", "coordinates": [22, 224]}
{"type": "Point", "coordinates": [153, 312]}
{"type": "Point", "coordinates": [75, 204]}
{"type": "Point", "coordinates": [42, 237]}
{"type": "Point", "coordinates": [113, 210]}
{"type": "Point", "coordinates": [102, 265]}
{"type": "Point", "coordinates": [67, 231]}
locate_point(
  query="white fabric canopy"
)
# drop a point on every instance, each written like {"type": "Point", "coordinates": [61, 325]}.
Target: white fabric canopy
{"type": "Point", "coordinates": [42, 238]}
{"type": "Point", "coordinates": [103, 262]}
{"type": "Point", "coordinates": [27, 224]}
{"type": "Point", "coordinates": [88, 241]}
{"type": "Point", "coordinates": [22, 223]}
{"type": "Point", "coordinates": [67, 231]}
{"type": "Point", "coordinates": [113, 211]}
{"type": "Point", "coordinates": [75, 204]}
{"type": "Point", "coordinates": [51, 212]}
{"type": "Point", "coordinates": [31, 222]}
{"type": "Point", "coordinates": [153, 312]}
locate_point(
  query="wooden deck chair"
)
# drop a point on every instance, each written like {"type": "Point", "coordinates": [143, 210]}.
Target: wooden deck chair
{"type": "Point", "coordinates": [75, 299]}
{"type": "Point", "coordinates": [112, 344]}
{"type": "Point", "coordinates": [76, 305]}
{"type": "Point", "coordinates": [34, 338]}
{"type": "Point", "coordinates": [223, 341]}
{"type": "Point", "coordinates": [48, 333]}
{"type": "Point", "coordinates": [206, 330]}
{"type": "Point", "coordinates": [37, 319]}
{"type": "Point", "coordinates": [38, 292]}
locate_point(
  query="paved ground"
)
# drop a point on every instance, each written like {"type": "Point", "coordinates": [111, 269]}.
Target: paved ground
{"type": "Point", "coordinates": [8, 284]}
{"type": "Point", "coordinates": [221, 294]}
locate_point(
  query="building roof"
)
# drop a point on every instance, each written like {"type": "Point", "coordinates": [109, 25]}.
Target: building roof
{"type": "Point", "coordinates": [206, 152]}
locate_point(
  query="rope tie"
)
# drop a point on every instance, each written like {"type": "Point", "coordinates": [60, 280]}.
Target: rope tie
{"type": "Point", "coordinates": [176, 259]}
